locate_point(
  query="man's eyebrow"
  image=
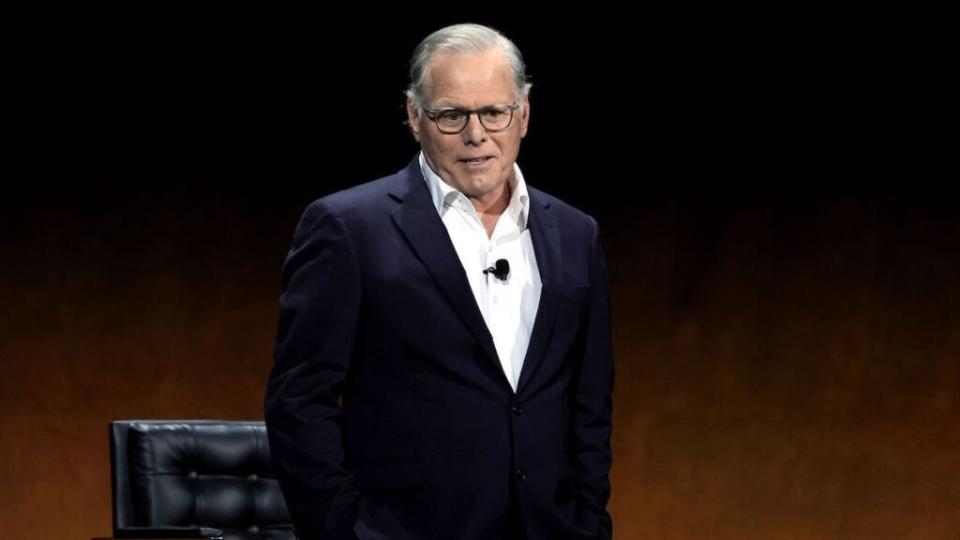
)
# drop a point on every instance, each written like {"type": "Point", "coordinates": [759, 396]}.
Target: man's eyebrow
{"type": "Point", "coordinates": [464, 107]}
{"type": "Point", "coordinates": [449, 106]}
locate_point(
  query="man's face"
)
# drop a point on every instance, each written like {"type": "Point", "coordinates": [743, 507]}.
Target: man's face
{"type": "Point", "coordinates": [470, 81]}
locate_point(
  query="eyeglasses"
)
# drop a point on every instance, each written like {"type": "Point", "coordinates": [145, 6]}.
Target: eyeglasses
{"type": "Point", "coordinates": [451, 120]}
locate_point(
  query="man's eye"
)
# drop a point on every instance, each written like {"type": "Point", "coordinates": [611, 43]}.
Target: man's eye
{"type": "Point", "coordinates": [451, 116]}
{"type": "Point", "coordinates": [493, 114]}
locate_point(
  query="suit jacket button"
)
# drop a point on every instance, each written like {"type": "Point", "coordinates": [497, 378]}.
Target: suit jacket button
{"type": "Point", "coordinates": [519, 474]}
{"type": "Point", "coordinates": [517, 410]}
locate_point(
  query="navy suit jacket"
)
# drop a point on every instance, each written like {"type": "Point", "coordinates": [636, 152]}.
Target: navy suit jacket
{"type": "Point", "coordinates": [389, 415]}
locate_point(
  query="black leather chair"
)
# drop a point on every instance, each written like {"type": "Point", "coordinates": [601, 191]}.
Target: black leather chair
{"type": "Point", "coordinates": [195, 479]}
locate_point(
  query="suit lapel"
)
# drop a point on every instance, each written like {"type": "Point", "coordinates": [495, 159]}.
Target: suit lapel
{"type": "Point", "coordinates": [420, 223]}
{"type": "Point", "coordinates": [545, 237]}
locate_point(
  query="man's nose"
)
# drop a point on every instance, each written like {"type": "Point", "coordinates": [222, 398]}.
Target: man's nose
{"type": "Point", "coordinates": [474, 132]}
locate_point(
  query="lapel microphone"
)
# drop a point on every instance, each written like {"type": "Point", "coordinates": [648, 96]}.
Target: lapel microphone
{"type": "Point", "coordinates": [500, 271]}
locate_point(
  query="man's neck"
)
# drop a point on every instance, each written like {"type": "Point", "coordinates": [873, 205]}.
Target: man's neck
{"type": "Point", "coordinates": [491, 210]}
{"type": "Point", "coordinates": [493, 203]}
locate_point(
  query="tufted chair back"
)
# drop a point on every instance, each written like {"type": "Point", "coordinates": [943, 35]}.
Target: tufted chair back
{"type": "Point", "coordinates": [193, 474]}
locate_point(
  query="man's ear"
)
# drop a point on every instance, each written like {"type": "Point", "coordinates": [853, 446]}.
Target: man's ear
{"type": "Point", "coordinates": [525, 117]}
{"type": "Point", "coordinates": [413, 119]}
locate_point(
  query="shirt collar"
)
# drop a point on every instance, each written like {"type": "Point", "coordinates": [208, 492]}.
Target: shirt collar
{"type": "Point", "coordinates": [445, 196]}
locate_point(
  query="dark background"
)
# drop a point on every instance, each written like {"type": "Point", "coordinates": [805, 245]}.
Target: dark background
{"type": "Point", "coordinates": [775, 191]}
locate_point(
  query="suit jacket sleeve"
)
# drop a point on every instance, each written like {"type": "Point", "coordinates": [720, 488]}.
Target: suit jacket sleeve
{"type": "Point", "coordinates": [319, 307]}
{"type": "Point", "coordinates": [593, 403]}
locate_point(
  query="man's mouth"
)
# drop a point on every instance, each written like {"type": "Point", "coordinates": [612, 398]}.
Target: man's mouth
{"type": "Point", "coordinates": [475, 161]}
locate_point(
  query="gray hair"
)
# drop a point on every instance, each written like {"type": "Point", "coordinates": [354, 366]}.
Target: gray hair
{"type": "Point", "coordinates": [463, 38]}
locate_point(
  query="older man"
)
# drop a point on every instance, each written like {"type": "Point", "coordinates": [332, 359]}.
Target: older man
{"type": "Point", "coordinates": [443, 365]}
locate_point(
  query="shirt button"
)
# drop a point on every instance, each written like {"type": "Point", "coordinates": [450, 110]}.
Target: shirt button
{"type": "Point", "coordinates": [519, 474]}
{"type": "Point", "coordinates": [495, 299]}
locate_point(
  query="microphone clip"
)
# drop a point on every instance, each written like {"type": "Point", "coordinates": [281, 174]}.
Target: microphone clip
{"type": "Point", "coordinates": [500, 270]}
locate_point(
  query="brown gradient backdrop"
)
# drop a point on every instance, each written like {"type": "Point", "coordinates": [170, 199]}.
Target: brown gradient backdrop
{"type": "Point", "coordinates": [787, 315]}
{"type": "Point", "coordinates": [778, 376]}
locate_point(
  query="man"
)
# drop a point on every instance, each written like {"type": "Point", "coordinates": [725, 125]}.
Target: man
{"type": "Point", "coordinates": [443, 366]}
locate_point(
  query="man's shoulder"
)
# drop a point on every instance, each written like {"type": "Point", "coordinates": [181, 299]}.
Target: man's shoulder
{"type": "Point", "coordinates": [567, 214]}
{"type": "Point", "coordinates": [366, 198]}
{"type": "Point", "coordinates": [367, 193]}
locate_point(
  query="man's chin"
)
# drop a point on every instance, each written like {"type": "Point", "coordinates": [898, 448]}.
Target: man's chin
{"type": "Point", "coordinates": [479, 187]}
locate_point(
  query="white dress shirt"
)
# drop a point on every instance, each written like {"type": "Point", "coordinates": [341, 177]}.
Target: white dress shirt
{"type": "Point", "coordinates": [509, 306]}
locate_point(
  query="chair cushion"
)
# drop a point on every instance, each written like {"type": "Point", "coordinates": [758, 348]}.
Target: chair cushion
{"type": "Point", "coordinates": [212, 475]}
